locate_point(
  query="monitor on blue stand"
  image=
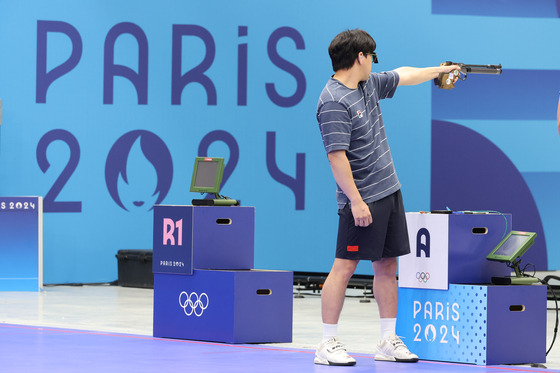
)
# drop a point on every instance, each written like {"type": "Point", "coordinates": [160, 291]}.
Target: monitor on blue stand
{"type": "Point", "coordinates": [207, 178]}
{"type": "Point", "coordinates": [510, 250]}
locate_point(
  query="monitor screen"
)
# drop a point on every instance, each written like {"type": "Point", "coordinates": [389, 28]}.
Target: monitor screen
{"type": "Point", "coordinates": [207, 175]}
{"type": "Point", "coordinates": [513, 243]}
{"type": "Point", "coordinates": [513, 246]}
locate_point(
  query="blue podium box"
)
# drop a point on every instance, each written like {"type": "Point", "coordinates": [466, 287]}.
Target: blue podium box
{"type": "Point", "coordinates": [21, 243]}
{"type": "Point", "coordinates": [472, 238]}
{"type": "Point", "coordinates": [482, 325]}
{"type": "Point", "coordinates": [249, 306]}
{"type": "Point", "coordinates": [202, 237]}
{"type": "Point", "coordinates": [452, 249]}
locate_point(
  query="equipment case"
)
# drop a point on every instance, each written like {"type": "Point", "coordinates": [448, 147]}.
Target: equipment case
{"type": "Point", "coordinates": [135, 268]}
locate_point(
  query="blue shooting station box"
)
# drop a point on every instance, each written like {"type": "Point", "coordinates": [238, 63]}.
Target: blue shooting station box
{"type": "Point", "coordinates": [205, 287]}
{"type": "Point", "coordinates": [452, 249]}
{"type": "Point", "coordinates": [471, 239]}
{"type": "Point", "coordinates": [476, 324]}
{"type": "Point", "coordinates": [249, 306]}
{"type": "Point", "coordinates": [203, 237]}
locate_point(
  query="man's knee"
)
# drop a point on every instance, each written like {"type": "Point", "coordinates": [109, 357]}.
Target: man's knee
{"type": "Point", "coordinates": [344, 267]}
{"type": "Point", "coordinates": [385, 267]}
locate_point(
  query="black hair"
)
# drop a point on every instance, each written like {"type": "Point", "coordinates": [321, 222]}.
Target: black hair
{"type": "Point", "coordinates": [346, 46]}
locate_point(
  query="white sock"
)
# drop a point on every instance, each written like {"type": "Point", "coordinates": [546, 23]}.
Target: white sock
{"type": "Point", "coordinates": [388, 327]}
{"type": "Point", "coordinates": [329, 331]}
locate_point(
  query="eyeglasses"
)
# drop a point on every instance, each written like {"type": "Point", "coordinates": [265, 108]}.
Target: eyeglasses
{"type": "Point", "coordinates": [373, 57]}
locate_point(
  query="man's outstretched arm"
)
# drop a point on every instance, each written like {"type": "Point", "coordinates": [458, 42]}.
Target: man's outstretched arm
{"type": "Point", "coordinates": [416, 75]}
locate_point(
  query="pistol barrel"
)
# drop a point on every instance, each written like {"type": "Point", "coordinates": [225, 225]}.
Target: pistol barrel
{"type": "Point", "coordinates": [481, 69]}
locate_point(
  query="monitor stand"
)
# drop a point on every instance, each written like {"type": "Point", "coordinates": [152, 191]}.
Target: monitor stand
{"type": "Point", "coordinates": [514, 280]}
{"type": "Point", "coordinates": [220, 201]}
{"type": "Point", "coordinates": [518, 279]}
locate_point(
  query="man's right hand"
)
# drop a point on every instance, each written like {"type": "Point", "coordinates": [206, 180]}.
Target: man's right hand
{"type": "Point", "coordinates": [361, 213]}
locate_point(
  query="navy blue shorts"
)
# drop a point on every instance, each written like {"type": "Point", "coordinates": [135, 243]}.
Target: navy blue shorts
{"type": "Point", "coordinates": [386, 237]}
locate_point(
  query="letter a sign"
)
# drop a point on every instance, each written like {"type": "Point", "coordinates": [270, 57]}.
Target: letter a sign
{"type": "Point", "coordinates": [426, 267]}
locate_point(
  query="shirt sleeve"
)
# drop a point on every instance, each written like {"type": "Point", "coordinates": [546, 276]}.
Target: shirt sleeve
{"type": "Point", "coordinates": [335, 125]}
{"type": "Point", "coordinates": [386, 83]}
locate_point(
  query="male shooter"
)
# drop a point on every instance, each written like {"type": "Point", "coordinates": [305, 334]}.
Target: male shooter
{"type": "Point", "coordinates": [372, 222]}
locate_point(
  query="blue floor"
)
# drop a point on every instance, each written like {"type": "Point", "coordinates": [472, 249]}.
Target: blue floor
{"type": "Point", "coordinates": [39, 349]}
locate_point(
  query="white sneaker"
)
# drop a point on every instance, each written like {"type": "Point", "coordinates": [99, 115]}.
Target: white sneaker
{"type": "Point", "coordinates": [393, 349]}
{"type": "Point", "coordinates": [332, 352]}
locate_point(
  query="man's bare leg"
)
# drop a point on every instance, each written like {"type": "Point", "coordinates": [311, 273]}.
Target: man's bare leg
{"type": "Point", "coordinates": [386, 294]}
{"type": "Point", "coordinates": [331, 351]}
{"type": "Point", "coordinates": [334, 289]}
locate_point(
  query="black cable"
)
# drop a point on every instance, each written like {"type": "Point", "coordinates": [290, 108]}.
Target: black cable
{"type": "Point", "coordinates": [525, 268]}
{"type": "Point", "coordinates": [556, 323]}
{"type": "Point", "coordinates": [549, 288]}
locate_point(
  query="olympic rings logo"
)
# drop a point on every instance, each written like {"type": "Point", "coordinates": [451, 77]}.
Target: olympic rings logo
{"type": "Point", "coordinates": [193, 303]}
{"type": "Point", "coordinates": [422, 277]}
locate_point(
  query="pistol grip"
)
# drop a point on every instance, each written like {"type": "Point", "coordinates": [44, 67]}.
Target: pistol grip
{"type": "Point", "coordinates": [445, 81]}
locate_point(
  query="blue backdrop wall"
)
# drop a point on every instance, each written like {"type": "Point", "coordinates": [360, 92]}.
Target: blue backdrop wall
{"type": "Point", "coordinates": [106, 104]}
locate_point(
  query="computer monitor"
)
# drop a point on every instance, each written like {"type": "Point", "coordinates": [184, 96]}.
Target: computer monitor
{"type": "Point", "coordinates": [510, 251]}
{"type": "Point", "coordinates": [207, 175]}
{"type": "Point", "coordinates": [512, 247]}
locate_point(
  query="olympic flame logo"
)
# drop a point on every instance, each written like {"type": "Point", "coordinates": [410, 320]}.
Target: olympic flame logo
{"type": "Point", "coordinates": [193, 303]}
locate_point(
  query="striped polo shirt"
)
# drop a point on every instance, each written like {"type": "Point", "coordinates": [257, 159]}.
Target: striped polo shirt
{"type": "Point", "coordinates": [351, 120]}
